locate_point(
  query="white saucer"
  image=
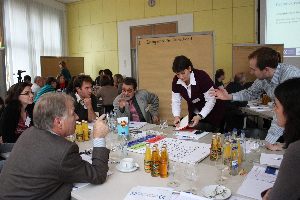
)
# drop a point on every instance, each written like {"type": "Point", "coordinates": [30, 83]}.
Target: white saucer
{"type": "Point", "coordinates": [119, 167]}
{"type": "Point", "coordinates": [212, 191]}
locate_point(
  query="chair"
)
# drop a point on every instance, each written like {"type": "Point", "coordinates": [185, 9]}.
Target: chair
{"type": "Point", "coordinates": [255, 133]}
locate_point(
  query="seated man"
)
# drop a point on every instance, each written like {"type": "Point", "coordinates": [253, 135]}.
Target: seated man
{"type": "Point", "coordinates": [85, 102]}
{"type": "Point", "coordinates": [264, 64]}
{"type": "Point", "coordinates": [137, 105]}
{"type": "Point", "coordinates": [43, 164]}
{"type": "Point", "coordinates": [50, 86]}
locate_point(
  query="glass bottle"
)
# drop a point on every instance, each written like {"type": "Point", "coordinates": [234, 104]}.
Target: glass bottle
{"type": "Point", "coordinates": [163, 163]}
{"type": "Point", "coordinates": [155, 163]}
{"type": "Point", "coordinates": [147, 159]}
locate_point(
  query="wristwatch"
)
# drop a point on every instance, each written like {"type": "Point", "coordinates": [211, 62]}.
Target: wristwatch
{"type": "Point", "coordinates": [200, 116]}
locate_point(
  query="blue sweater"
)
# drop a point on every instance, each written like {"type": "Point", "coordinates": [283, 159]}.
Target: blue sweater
{"type": "Point", "coordinates": [43, 90]}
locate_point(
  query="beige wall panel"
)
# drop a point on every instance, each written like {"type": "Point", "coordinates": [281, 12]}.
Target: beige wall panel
{"type": "Point", "coordinates": [123, 10]}
{"type": "Point", "coordinates": [203, 5]}
{"type": "Point", "coordinates": [85, 44]}
{"type": "Point", "coordinates": [96, 12]}
{"type": "Point", "coordinates": [111, 61]}
{"type": "Point", "coordinates": [109, 10]}
{"type": "Point", "coordinates": [110, 36]}
{"type": "Point", "coordinates": [72, 15]}
{"type": "Point", "coordinates": [185, 6]}
{"type": "Point", "coordinates": [203, 21]}
{"type": "Point", "coordinates": [84, 14]}
{"type": "Point", "coordinates": [243, 23]}
{"type": "Point", "coordinates": [223, 55]}
{"type": "Point", "coordinates": [223, 25]}
{"type": "Point", "coordinates": [137, 9]}
{"type": "Point", "coordinates": [238, 3]}
{"type": "Point", "coordinates": [220, 4]}
{"type": "Point", "coordinates": [97, 37]}
{"type": "Point", "coordinates": [73, 40]}
{"type": "Point", "coordinates": [167, 7]}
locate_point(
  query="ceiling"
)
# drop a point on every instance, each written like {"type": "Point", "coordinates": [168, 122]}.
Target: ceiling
{"type": "Point", "coordinates": [67, 1]}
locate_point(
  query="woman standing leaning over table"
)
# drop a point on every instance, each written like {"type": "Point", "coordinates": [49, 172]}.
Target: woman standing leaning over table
{"type": "Point", "coordinates": [205, 112]}
{"type": "Point", "coordinates": [287, 110]}
{"type": "Point", "coordinates": [17, 114]}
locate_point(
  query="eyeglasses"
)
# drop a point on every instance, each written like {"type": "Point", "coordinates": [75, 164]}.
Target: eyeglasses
{"type": "Point", "coordinates": [28, 93]}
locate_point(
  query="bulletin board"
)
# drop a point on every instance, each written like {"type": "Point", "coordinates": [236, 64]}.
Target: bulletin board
{"type": "Point", "coordinates": [155, 56]}
{"type": "Point", "coordinates": [49, 65]}
{"type": "Point", "coordinates": [240, 53]}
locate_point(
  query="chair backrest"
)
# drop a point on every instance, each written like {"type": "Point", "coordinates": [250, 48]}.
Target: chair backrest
{"type": "Point", "coordinates": [255, 133]}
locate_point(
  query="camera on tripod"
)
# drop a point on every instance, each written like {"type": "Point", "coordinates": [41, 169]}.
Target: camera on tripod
{"type": "Point", "coordinates": [19, 75]}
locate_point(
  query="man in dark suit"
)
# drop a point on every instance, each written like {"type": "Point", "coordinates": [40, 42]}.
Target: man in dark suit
{"type": "Point", "coordinates": [85, 102]}
{"type": "Point", "coordinates": [43, 164]}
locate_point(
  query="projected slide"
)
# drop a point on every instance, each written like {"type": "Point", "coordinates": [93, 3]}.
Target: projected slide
{"type": "Point", "coordinates": [283, 25]}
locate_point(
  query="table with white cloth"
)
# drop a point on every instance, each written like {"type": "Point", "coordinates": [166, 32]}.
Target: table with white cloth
{"type": "Point", "coordinates": [119, 184]}
{"type": "Point", "coordinates": [257, 109]}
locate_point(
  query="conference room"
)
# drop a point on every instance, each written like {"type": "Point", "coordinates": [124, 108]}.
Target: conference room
{"type": "Point", "coordinates": [149, 99]}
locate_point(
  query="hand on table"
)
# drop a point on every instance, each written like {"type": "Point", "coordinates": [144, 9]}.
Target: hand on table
{"type": "Point", "coordinates": [176, 121]}
{"type": "Point", "coordinates": [274, 147]}
{"type": "Point", "coordinates": [155, 119]}
{"type": "Point", "coordinates": [196, 119]}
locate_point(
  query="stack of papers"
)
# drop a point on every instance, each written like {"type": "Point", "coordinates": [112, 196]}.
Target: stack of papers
{"type": "Point", "coordinates": [149, 193]}
{"type": "Point", "coordinates": [158, 193]}
{"type": "Point", "coordinates": [256, 182]}
{"type": "Point", "coordinates": [271, 159]}
{"type": "Point", "coordinates": [136, 125]}
{"type": "Point", "coordinates": [186, 135]}
{"type": "Point", "coordinates": [179, 150]}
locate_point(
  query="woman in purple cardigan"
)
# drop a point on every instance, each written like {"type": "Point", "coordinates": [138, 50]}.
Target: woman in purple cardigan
{"type": "Point", "coordinates": [205, 112]}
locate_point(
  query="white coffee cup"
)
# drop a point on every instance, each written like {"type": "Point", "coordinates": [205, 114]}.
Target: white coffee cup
{"type": "Point", "coordinates": [127, 163]}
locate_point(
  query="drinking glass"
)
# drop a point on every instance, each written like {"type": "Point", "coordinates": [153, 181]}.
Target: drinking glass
{"type": "Point", "coordinates": [191, 174]}
{"type": "Point", "coordinates": [113, 144]}
{"type": "Point", "coordinates": [221, 167]}
{"type": "Point", "coordinates": [255, 149]}
{"type": "Point", "coordinates": [172, 181]}
{"type": "Point", "coordinates": [163, 124]}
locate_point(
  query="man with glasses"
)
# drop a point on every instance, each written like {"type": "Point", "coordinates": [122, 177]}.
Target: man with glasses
{"type": "Point", "coordinates": [264, 64]}
{"type": "Point", "coordinates": [137, 105]}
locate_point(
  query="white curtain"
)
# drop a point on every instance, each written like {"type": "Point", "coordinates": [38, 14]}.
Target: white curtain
{"type": "Point", "coordinates": [32, 29]}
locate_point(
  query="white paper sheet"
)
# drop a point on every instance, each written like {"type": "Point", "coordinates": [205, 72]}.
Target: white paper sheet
{"type": "Point", "coordinates": [238, 198]}
{"type": "Point", "coordinates": [181, 150]}
{"type": "Point", "coordinates": [186, 135]}
{"type": "Point", "coordinates": [256, 182]}
{"type": "Point", "coordinates": [136, 125]}
{"type": "Point", "coordinates": [271, 159]}
{"type": "Point", "coordinates": [149, 193]}
{"type": "Point", "coordinates": [183, 123]}
{"type": "Point", "coordinates": [187, 196]}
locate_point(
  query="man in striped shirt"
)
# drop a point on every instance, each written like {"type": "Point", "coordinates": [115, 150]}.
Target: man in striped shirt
{"type": "Point", "coordinates": [269, 73]}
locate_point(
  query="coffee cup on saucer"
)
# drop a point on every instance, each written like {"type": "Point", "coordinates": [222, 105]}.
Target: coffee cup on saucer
{"type": "Point", "coordinates": [127, 163]}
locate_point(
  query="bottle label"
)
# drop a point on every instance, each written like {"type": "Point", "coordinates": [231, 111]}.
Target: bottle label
{"type": "Point", "coordinates": [147, 165]}
{"type": "Point", "coordinates": [234, 164]}
{"type": "Point", "coordinates": [155, 169]}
